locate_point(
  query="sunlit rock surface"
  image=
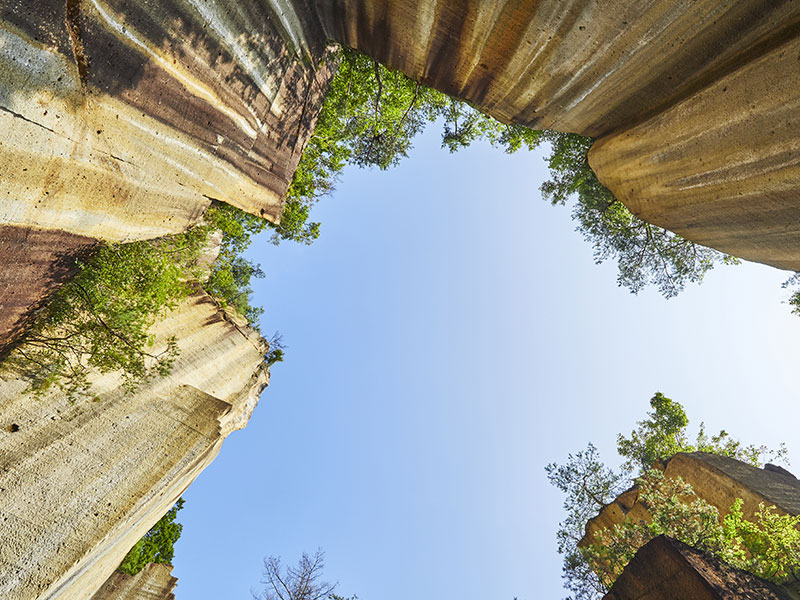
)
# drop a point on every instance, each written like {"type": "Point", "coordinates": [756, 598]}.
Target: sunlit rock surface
{"type": "Point", "coordinates": [718, 480]}
{"type": "Point", "coordinates": [154, 582]}
{"type": "Point", "coordinates": [81, 483]}
{"type": "Point", "coordinates": [666, 569]}
{"type": "Point", "coordinates": [698, 98]}
{"type": "Point", "coordinates": [121, 120]}
{"type": "Point", "coordinates": [723, 167]}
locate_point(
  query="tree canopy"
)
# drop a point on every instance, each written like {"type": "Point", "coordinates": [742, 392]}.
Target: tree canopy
{"type": "Point", "coordinates": [102, 319]}
{"type": "Point", "coordinates": [370, 117]}
{"type": "Point", "coordinates": [588, 485]}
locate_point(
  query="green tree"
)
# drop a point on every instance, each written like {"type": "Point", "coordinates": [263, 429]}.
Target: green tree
{"type": "Point", "coordinates": [588, 485]}
{"type": "Point", "coordinates": [157, 545]}
{"type": "Point", "coordinates": [369, 118]}
{"type": "Point", "coordinates": [101, 320]}
{"type": "Point", "coordinates": [645, 254]}
{"type": "Point", "coordinates": [663, 434]}
{"type": "Point", "coordinates": [768, 546]}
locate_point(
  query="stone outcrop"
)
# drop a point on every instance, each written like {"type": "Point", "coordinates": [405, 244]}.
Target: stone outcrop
{"type": "Point", "coordinates": [666, 569]}
{"type": "Point", "coordinates": [695, 102]}
{"type": "Point", "coordinates": [154, 582]}
{"type": "Point", "coordinates": [81, 482]}
{"type": "Point", "coordinates": [121, 120]}
{"type": "Point", "coordinates": [718, 480]}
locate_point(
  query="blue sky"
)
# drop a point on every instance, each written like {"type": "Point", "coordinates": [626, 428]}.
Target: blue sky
{"type": "Point", "coordinates": [448, 336]}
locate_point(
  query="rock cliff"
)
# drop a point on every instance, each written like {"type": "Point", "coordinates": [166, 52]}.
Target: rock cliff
{"type": "Point", "coordinates": [81, 482]}
{"type": "Point", "coordinates": [718, 480]}
{"type": "Point", "coordinates": [665, 569]}
{"type": "Point", "coordinates": [695, 102]}
{"type": "Point", "coordinates": [121, 120]}
{"type": "Point", "coordinates": [154, 582]}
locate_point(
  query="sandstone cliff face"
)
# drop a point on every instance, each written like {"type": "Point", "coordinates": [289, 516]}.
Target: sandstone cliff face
{"type": "Point", "coordinates": [121, 120]}
{"type": "Point", "coordinates": [695, 102]}
{"type": "Point", "coordinates": [718, 480]}
{"type": "Point", "coordinates": [81, 483]}
{"type": "Point", "coordinates": [154, 582]}
{"type": "Point", "coordinates": [665, 569]}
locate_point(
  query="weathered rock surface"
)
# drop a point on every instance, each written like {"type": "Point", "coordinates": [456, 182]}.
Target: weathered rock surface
{"type": "Point", "coordinates": [119, 121]}
{"type": "Point", "coordinates": [81, 483]}
{"type": "Point", "coordinates": [666, 569]}
{"type": "Point", "coordinates": [718, 480]}
{"type": "Point", "coordinates": [34, 262]}
{"type": "Point", "coordinates": [721, 168]}
{"type": "Point", "coordinates": [154, 582]}
{"type": "Point", "coordinates": [699, 99]}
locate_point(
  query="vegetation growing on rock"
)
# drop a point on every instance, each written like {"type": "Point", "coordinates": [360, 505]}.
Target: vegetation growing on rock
{"type": "Point", "coordinates": [370, 117]}
{"type": "Point", "coordinates": [588, 485]}
{"type": "Point", "coordinates": [102, 319]}
{"type": "Point", "coordinates": [157, 545]}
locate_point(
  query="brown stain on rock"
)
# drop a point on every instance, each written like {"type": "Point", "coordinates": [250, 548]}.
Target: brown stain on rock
{"type": "Point", "coordinates": [154, 582]}
{"type": "Point", "coordinates": [34, 264]}
{"type": "Point", "coordinates": [666, 569]}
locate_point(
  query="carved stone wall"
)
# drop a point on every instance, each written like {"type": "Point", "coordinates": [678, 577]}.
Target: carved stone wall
{"type": "Point", "coordinates": [81, 482]}
{"type": "Point", "coordinates": [718, 480]}
{"type": "Point", "coordinates": [154, 582]}
{"type": "Point", "coordinates": [120, 121]}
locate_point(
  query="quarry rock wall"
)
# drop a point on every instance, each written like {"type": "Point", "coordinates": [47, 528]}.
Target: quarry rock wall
{"type": "Point", "coordinates": [695, 102]}
{"type": "Point", "coordinates": [154, 582]}
{"type": "Point", "coordinates": [81, 482]}
{"type": "Point", "coordinates": [665, 569]}
{"type": "Point", "coordinates": [122, 120]}
{"type": "Point", "coordinates": [719, 480]}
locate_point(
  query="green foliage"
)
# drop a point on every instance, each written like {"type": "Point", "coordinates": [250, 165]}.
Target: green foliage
{"type": "Point", "coordinates": [645, 254]}
{"type": "Point", "coordinates": [231, 274]}
{"type": "Point", "coordinates": [157, 545]}
{"type": "Point", "coordinates": [276, 350]}
{"type": "Point", "coordinates": [369, 119]}
{"type": "Point", "coordinates": [588, 485]}
{"type": "Point", "coordinates": [663, 434]}
{"type": "Point", "coordinates": [101, 320]}
{"type": "Point", "coordinates": [768, 547]}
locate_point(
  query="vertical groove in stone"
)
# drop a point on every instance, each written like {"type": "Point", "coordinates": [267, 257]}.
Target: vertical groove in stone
{"type": "Point", "coordinates": [721, 168]}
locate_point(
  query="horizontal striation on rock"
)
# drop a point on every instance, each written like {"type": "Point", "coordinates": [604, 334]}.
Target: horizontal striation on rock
{"type": "Point", "coordinates": [721, 168]}
{"type": "Point", "coordinates": [584, 67]}
{"type": "Point", "coordinates": [121, 120]}
{"type": "Point", "coordinates": [81, 483]}
{"type": "Point", "coordinates": [154, 582]}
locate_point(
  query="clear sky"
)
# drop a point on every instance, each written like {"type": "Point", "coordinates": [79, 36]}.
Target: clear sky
{"type": "Point", "coordinates": [448, 336]}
